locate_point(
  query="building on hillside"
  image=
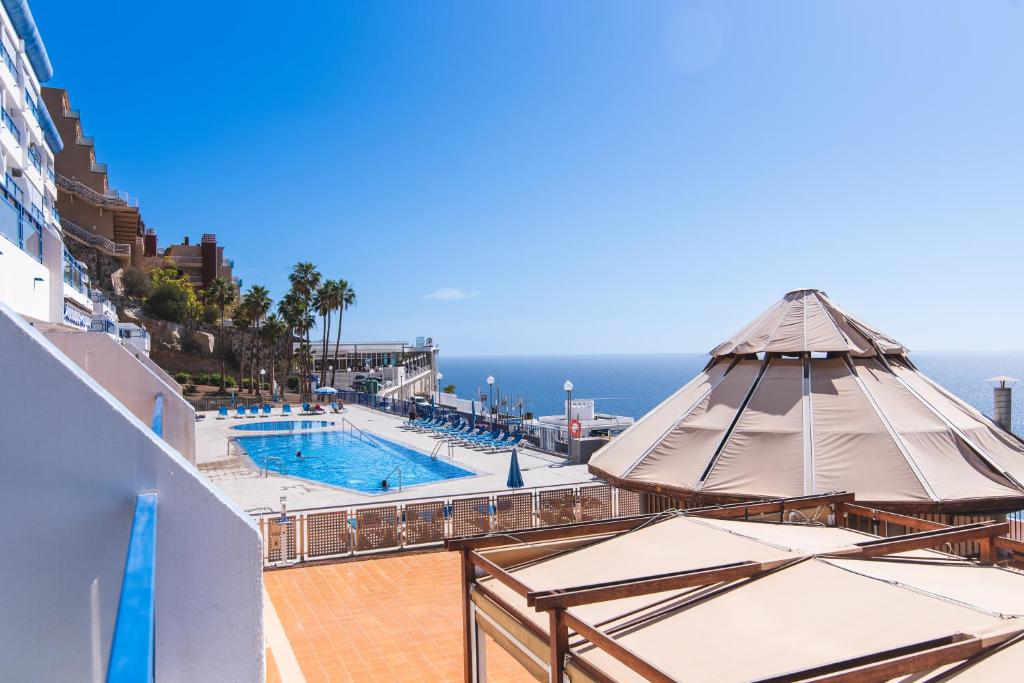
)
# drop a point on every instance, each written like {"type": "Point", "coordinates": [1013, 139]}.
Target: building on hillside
{"type": "Point", "coordinates": [202, 262]}
{"type": "Point", "coordinates": [92, 214]}
{"type": "Point", "coordinates": [39, 278]}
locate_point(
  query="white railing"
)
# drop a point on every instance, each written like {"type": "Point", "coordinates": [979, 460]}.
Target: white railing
{"type": "Point", "coordinates": [110, 199]}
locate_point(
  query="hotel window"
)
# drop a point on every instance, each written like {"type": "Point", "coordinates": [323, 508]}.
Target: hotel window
{"type": "Point", "coordinates": [5, 55]}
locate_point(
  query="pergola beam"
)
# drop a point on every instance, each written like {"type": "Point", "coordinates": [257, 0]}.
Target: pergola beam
{"type": "Point", "coordinates": [852, 509]}
{"type": "Point", "coordinates": [923, 540]}
{"type": "Point", "coordinates": [627, 588]}
{"type": "Point", "coordinates": [779, 505]}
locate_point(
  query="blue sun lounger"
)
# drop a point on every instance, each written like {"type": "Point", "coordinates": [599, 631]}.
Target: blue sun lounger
{"type": "Point", "coordinates": [222, 413]}
{"type": "Point", "coordinates": [286, 409]}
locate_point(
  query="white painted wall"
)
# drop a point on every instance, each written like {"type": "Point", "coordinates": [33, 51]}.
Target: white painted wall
{"type": "Point", "coordinates": [135, 385]}
{"type": "Point", "coordinates": [71, 472]}
{"type": "Point", "coordinates": [19, 288]}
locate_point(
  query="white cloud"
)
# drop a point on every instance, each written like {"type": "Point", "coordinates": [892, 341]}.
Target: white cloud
{"type": "Point", "coordinates": [451, 294]}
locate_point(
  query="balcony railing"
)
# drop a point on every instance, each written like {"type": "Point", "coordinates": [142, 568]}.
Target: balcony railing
{"type": "Point", "coordinates": [16, 193]}
{"type": "Point", "coordinates": [6, 57]}
{"type": "Point", "coordinates": [50, 175]}
{"type": "Point", "coordinates": [132, 654]}
{"type": "Point", "coordinates": [92, 239]}
{"type": "Point", "coordinates": [10, 125]}
{"type": "Point", "coordinates": [103, 326]}
{"type": "Point", "coordinates": [89, 193]}
{"type": "Point", "coordinates": [30, 105]}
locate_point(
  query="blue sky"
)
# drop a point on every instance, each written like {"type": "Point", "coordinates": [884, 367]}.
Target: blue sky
{"type": "Point", "coordinates": [578, 177]}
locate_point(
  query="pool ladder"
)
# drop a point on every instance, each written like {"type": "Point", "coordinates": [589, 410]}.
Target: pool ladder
{"type": "Point", "coordinates": [363, 436]}
{"type": "Point", "coordinates": [450, 443]}
{"type": "Point", "coordinates": [399, 470]}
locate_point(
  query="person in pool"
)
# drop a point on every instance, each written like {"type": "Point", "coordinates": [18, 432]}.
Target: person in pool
{"type": "Point", "coordinates": [298, 454]}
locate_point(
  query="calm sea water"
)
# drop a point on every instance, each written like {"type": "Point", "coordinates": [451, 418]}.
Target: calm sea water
{"type": "Point", "coordinates": [633, 384]}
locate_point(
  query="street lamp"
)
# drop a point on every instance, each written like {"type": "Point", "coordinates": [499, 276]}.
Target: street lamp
{"type": "Point", "coordinates": [440, 376]}
{"type": "Point", "coordinates": [259, 389]}
{"type": "Point", "coordinates": [568, 418]}
{"type": "Point", "coordinates": [490, 400]}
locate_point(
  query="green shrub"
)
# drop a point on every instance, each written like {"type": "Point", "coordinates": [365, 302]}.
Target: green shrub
{"type": "Point", "coordinates": [182, 377]}
{"type": "Point", "coordinates": [210, 314]}
{"type": "Point", "coordinates": [168, 302]}
{"type": "Point", "coordinates": [229, 381]}
{"type": "Point", "coordinates": [292, 383]}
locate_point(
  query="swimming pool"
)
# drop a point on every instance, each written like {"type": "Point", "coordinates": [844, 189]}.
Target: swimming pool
{"type": "Point", "coordinates": [282, 426]}
{"type": "Point", "coordinates": [346, 460]}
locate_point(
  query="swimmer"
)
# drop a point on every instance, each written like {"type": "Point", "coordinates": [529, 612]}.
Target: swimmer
{"type": "Point", "coordinates": [298, 454]}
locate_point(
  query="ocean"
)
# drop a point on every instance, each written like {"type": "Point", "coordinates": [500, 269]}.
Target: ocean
{"type": "Point", "coordinates": [633, 384]}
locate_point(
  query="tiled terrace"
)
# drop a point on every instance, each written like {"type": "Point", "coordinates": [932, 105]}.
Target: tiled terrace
{"type": "Point", "coordinates": [390, 619]}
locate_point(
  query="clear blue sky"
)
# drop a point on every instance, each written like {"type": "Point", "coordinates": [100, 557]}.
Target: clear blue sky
{"type": "Point", "coordinates": [578, 177]}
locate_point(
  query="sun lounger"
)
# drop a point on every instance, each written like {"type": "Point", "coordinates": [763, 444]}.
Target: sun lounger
{"type": "Point", "coordinates": [266, 409]}
{"type": "Point", "coordinates": [222, 413]}
{"type": "Point", "coordinates": [253, 411]}
{"type": "Point", "coordinates": [286, 409]}
{"type": "Point", "coordinates": [239, 412]}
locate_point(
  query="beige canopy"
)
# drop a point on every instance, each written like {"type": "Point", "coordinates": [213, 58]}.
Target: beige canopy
{"type": "Point", "coordinates": [807, 399]}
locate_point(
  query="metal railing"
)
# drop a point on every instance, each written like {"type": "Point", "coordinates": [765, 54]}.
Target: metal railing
{"type": "Point", "coordinates": [89, 193]}
{"type": "Point", "coordinates": [132, 653]}
{"type": "Point", "coordinates": [5, 55]}
{"type": "Point", "coordinates": [92, 239]}
{"type": "Point", "coordinates": [11, 126]}
{"type": "Point", "coordinates": [332, 532]}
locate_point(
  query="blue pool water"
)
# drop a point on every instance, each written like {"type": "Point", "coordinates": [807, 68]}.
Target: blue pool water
{"type": "Point", "coordinates": [282, 426]}
{"type": "Point", "coordinates": [342, 459]}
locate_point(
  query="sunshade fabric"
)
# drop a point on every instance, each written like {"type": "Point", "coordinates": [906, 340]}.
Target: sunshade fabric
{"type": "Point", "coordinates": [773, 624]}
{"type": "Point", "coordinates": [806, 320]}
{"type": "Point", "coordinates": [831, 404]}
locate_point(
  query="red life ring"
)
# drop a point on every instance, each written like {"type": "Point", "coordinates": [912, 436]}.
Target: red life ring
{"type": "Point", "coordinates": [575, 428]}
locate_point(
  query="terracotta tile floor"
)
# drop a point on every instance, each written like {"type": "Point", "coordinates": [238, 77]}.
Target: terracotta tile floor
{"type": "Point", "coordinates": [393, 619]}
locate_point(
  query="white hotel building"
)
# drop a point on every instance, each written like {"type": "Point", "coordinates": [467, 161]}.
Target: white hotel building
{"type": "Point", "coordinates": [122, 563]}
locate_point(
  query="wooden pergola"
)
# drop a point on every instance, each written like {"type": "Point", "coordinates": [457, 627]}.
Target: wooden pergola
{"type": "Point", "coordinates": [497, 600]}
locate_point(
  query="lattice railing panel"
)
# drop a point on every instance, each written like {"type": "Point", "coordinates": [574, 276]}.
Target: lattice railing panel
{"type": "Point", "coordinates": [513, 511]}
{"type": "Point", "coordinates": [595, 502]}
{"type": "Point", "coordinates": [556, 506]}
{"type": "Point", "coordinates": [629, 503]}
{"type": "Point", "coordinates": [328, 533]}
{"type": "Point", "coordinates": [471, 516]}
{"type": "Point", "coordinates": [424, 522]}
{"type": "Point", "coordinates": [377, 528]}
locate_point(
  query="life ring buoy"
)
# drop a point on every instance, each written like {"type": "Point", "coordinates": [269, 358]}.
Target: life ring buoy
{"type": "Point", "coordinates": [575, 428]}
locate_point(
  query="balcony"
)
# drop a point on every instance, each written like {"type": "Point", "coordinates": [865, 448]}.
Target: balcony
{"type": "Point", "coordinates": [103, 326]}
{"type": "Point", "coordinates": [33, 156]}
{"type": "Point", "coordinates": [5, 56]}
{"type": "Point", "coordinates": [10, 125]}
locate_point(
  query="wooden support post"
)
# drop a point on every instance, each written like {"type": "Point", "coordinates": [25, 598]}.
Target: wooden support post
{"type": "Point", "coordinates": [468, 625]}
{"type": "Point", "coordinates": [988, 551]}
{"type": "Point", "coordinates": [559, 635]}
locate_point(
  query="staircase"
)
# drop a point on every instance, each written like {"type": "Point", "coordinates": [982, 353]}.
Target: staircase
{"type": "Point", "coordinates": [126, 224]}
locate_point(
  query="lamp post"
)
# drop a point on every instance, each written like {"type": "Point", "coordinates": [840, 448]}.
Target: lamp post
{"type": "Point", "coordinates": [490, 400]}
{"type": "Point", "coordinates": [440, 376]}
{"type": "Point", "coordinates": [568, 418]}
{"type": "Point", "coordinates": [259, 389]}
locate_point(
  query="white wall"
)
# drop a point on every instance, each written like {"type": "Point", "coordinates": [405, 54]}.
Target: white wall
{"type": "Point", "coordinates": [70, 477]}
{"type": "Point", "coordinates": [135, 385]}
{"type": "Point", "coordinates": [19, 288]}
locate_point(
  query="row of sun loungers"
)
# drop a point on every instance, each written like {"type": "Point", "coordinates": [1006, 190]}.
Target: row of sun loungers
{"type": "Point", "coordinates": [464, 434]}
{"type": "Point", "coordinates": [267, 411]}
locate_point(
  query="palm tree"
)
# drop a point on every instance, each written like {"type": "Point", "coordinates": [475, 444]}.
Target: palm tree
{"type": "Point", "coordinates": [221, 293]}
{"type": "Point", "coordinates": [273, 329]}
{"type": "Point", "coordinates": [240, 319]}
{"type": "Point", "coordinates": [258, 302]}
{"type": "Point", "coordinates": [346, 296]}
{"type": "Point", "coordinates": [305, 280]}
{"type": "Point", "coordinates": [297, 315]}
{"type": "Point", "coordinates": [323, 303]}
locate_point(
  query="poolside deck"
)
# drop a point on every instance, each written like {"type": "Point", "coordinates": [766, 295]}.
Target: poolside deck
{"type": "Point", "coordinates": [235, 475]}
{"type": "Point", "coordinates": [392, 619]}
